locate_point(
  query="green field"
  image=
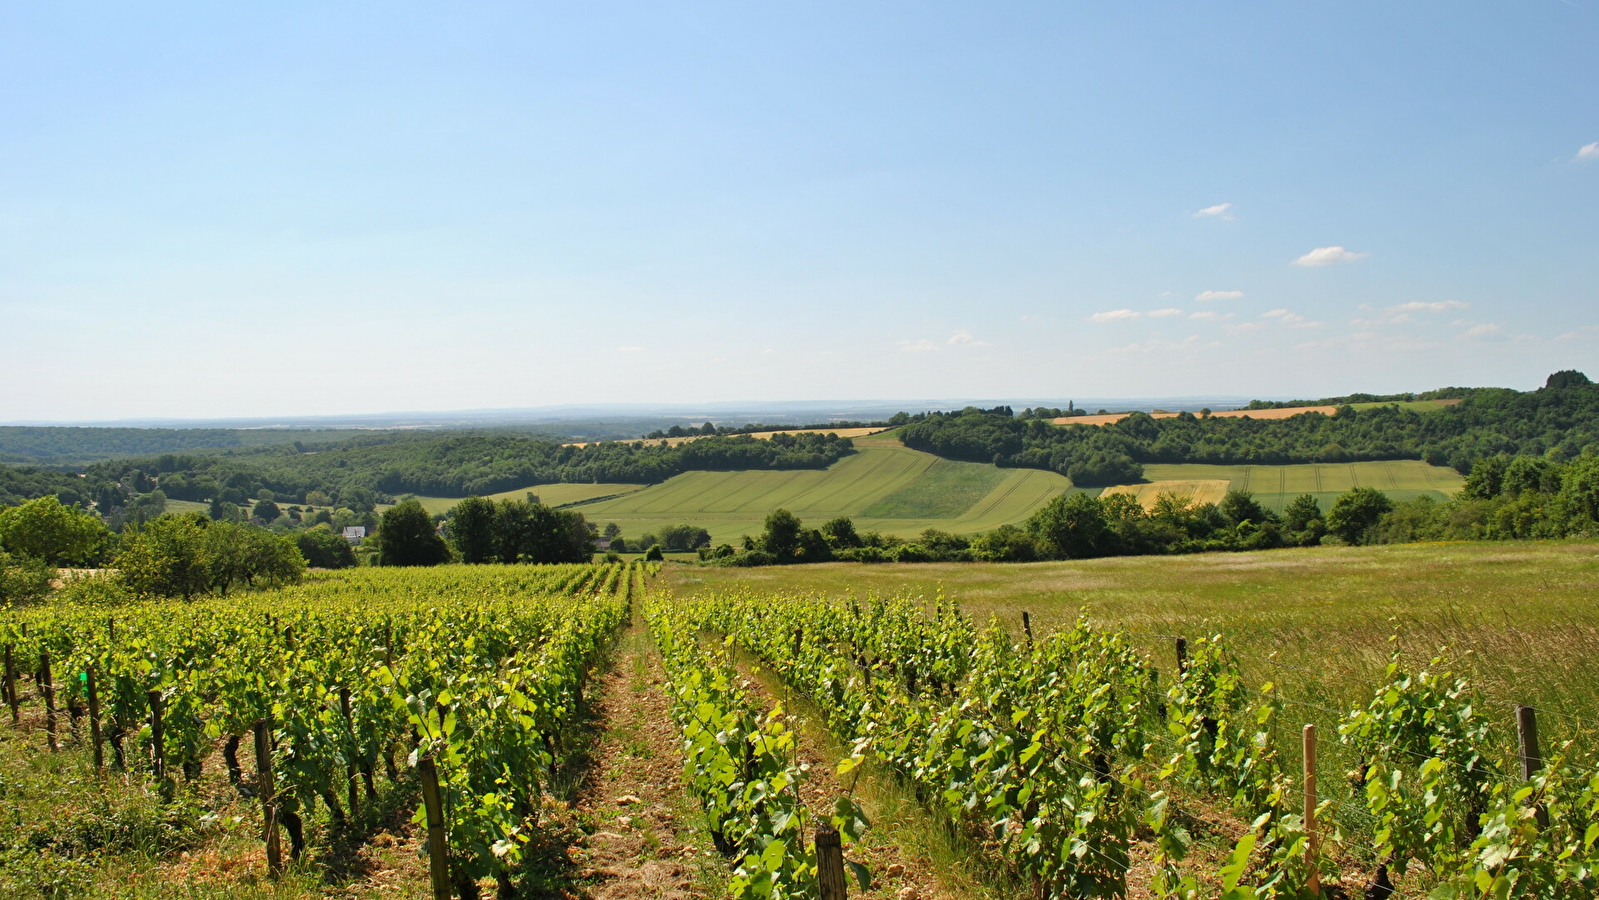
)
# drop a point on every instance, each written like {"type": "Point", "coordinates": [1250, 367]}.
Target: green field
{"type": "Point", "coordinates": [1517, 618]}
{"type": "Point", "coordinates": [1275, 487]}
{"type": "Point", "coordinates": [1421, 406]}
{"type": "Point", "coordinates": [884, 487]}
{"type": "Point", "coordinates": [888, 487]}
{"type": "Point", "coordinates": [548, 494]}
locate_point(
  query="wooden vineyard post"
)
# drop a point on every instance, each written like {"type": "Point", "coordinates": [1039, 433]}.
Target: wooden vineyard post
{"type": "Point", "coordinates": [438, 845]}
{"type": "Point", "coordinates": [1531, 757]}
{"type": "Point", "coordinates": [349, 768]}
{"type": "Point", "coordinates": [47, 686]}
{"type": "Point", "coordinates": [829, 864]}
{"type": "Point", "coordinates": [1312, 839]}
{"type": "Point", "coordinates": [1027, 626]}
{"type": "Point", "coordinates": [94, 720]}
{"type": "Point", "coordinates": [11, 685]}
{"type": "Point", "coordinates": [268, 791]}
{"type": "Point", "coordinates": [158, 741]}
{"type": "Point", "coordinates": [1182, 655]}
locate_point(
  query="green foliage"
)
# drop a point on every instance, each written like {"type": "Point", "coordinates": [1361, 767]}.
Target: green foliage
{"type": "Point", "coordinates": [23, 578]}
{"type": "Point", "coordinates": [58, 534]}
{"type": "Point", "coordinates": [1425, 772]}
{"type": "Point", "coordinates": [408, 538]}
{"type": "Point", "coordinates": [187, 555]}
{"type": "Point", "coordinates": [1354, 516]}
{"type": "Point", "coordinates": [781, 537]}
{"type": "Point", "coordinates": [323, 549]}
{"type": "Point", "coordinates": [480, 669]}
{"type": "Point", "coordinates": [1564, 416]}
{"type": "Point", "coordinates": [742, 767]}
{"type": "Point", "coordinates": [472, 527]}
{"type": "Point", "coordinates": [167, 557]}
{"type": "Point", "coordinates": [1072, 526]}
{"type": "Point", "coordinates": [455, 465]}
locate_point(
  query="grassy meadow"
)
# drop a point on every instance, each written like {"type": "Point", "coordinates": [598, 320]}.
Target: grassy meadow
{"type": "Point", "coordinates": [548, 494]}
{"type": "Point", "coordinates": [1520, 620]}
{"type": "Point", "coordinates": [885, 486]}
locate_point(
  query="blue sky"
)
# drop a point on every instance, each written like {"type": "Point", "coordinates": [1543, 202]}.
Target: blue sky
{"type": "Point", "coordinates": [212, 210]}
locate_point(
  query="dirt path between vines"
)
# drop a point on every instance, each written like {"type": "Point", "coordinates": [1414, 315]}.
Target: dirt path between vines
{"type": "Point", "coordinates": [897, 872]}
{"type": "Point", "coordinates": [642, 833]}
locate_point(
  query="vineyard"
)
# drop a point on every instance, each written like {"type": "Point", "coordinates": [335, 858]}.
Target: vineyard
{"type": "Point", "coordinates": [1068, 764]}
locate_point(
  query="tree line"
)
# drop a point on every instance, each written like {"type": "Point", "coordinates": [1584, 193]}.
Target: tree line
{"type": "Point", "coordinates": [1560, 420]}
{"type": "Point", "coordinates": [382, 467]}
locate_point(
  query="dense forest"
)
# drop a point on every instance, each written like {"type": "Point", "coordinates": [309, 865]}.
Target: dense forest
{"type": "Point", "coordinates": [451, 465]}
{"type": "Point", "coordinates": [1560, 419]}
{"type": "Point", "coordinates": [56, 445]}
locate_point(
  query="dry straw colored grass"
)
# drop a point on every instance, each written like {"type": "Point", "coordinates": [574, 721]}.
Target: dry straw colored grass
{"type": "Point", "coordinates": [1191, 491]}
{"type": "Point", "coordinates": [1262, 414]}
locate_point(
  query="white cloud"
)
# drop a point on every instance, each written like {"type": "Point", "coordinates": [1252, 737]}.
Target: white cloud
{"type": "Point", "coordinates": [629, 349]}
{"type": "Point", "coordinates": [1439, 306]}
{"type": "Point", "coordinates": [1589, 151]}
{"type": "Point", "coordinates": [1326, 256]}
{"type": "Point", "coordinates": [1291, 319]}
{"type": "Point", "coordinates": [1204, 314]}
{"type": "Point", "coordinates": [965, 337]}
{"type": "Point", "coordinates": [921, 346]}
{"type": "Point", "coordinates": [1219, 295]}
{"type": "Point", "coordinates": [1222, 211]}
{"type": "Point", "coordinates": [1164, 313]}
{"type": "Point", "coordinates": [1115, 315]}
{"type": "Point", "coordinates": [1482, 329]}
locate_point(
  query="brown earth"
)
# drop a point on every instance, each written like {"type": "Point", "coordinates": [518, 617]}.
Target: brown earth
{"type": "Point", "coordinates": [641, 833]}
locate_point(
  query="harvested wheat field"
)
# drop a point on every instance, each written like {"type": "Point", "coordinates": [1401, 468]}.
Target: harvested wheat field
{"type": "Point", "coordinates": [761, 435]}
{"type": "Point", "coordinates": [1209, 490]}
{"type": "Point", "coordinates": [1290, 412]}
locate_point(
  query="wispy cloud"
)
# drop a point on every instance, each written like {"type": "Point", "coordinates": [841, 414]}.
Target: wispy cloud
{"type": "Point", "coordinates": [1222, 211]}
{"type": "Point", "coordinates": [1423, 306]}
{"type": "Point", "coordinates": [965, 337]}
{"type": "Point", "coordinates": [1326, 256]}
{"type": "Point", "coordinates": [922, 346]}
{"type": "Point", "coordinates": [1290, 319]}
{"type": "Point", "coordinates": [1204, 314]}
{"type": "Point", "coordinates": [1164, 313]}
{"type": "Point", "coordinates": [1480, 329]}
{"type": "Point", "coordinates": [1219, 295]}
{"type": "Point", "coordinates": [1244, 327]}
{"type": "Point", "coordinates": [1589, 151]}
{"type": "Point", "coordinates": [1116, 315]}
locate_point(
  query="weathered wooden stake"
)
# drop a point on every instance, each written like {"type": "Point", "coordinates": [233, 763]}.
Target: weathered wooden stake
{"type": "Point", "coordinates": [11, 686]}
{"type": "Point", "coordinates": [438, 844]}
{"type": "Point", "coordinates": [94, 721]}
{"type": "Point", "coordinates": [47, 686]}
{"type": "Point", "coordinates": [830, 864]}
{"type": "Point", "coordinates": [268, 791]}
{"type": "Point", "coordinates": [349, 768]}
{"type": "Point", "coordinates": [158, 742]}
{"type": "Point", "coordinates": [1182, 655]}
{"type": "Point", "coordinates": [1312, 838]}
{"type": "Point", "coordinates": [1027, 626]}
{"type": "Point", "coordinates": [1531, 757]}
